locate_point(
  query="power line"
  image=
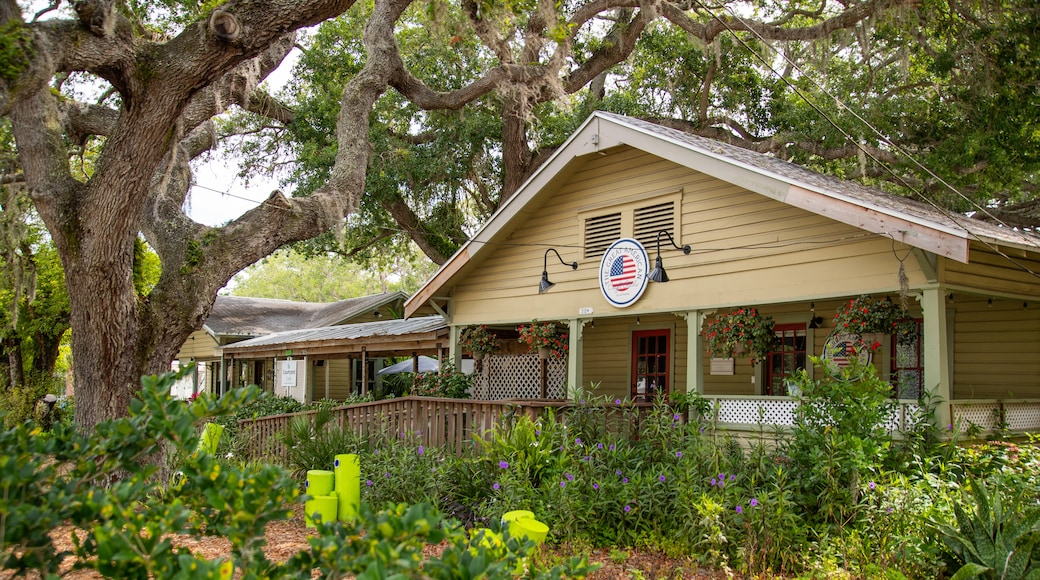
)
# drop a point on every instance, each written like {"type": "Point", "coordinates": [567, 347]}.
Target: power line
{"type": "Point", "coordinates": [843, 106]}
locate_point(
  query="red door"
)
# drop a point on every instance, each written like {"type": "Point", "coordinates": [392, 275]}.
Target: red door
{"type": "Point", "coordinates": [650, 364]}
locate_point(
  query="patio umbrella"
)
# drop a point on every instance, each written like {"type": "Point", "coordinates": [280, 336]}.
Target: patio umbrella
{"type": "Point", "coordinates": [426, 364]}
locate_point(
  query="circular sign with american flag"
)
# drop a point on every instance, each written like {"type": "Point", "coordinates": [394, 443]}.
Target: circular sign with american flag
{"type": "Point", "coordinates": [622, 272]}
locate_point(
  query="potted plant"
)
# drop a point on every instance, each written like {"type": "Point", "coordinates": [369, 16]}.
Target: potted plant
{"type": "Point", "coordinates": [478, 341]}
{"type": "Point", "coordinates": [739, 331]}
{"type": "Point", "coordinates": [867, 315]}
{"type": "Point", "coordinates": [543, 337]}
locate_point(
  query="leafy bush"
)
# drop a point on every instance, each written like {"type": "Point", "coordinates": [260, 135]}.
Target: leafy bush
{"type": "Point", "coordinates": [447, 382]}
{"type": "Point", "coordinates": [839, 442]}
{"type": "Point", "coordinates": [996, 539]}
{"type": "Point", "coordinates": [314, 440]}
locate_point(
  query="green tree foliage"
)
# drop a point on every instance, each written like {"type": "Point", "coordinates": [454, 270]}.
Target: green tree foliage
{"type": "Point", "coordinates": [127, 510]}
{"type": "Point", "coordinates": [290, 275]}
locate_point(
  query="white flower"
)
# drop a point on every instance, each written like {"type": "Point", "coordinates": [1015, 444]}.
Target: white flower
{"type": "Point", "coordinates": [229, 455]}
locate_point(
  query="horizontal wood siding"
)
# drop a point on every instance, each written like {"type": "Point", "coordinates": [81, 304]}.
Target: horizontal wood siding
{"type": "Point", "coordinates": [746, 249]}
{"type": "Point", "coordinates": [996, 349]}
{"type": "Point", "coordinates": [199, 346]}
{"type": "Point", "coordinates": [339, 379]}
{"type": "Point", "coordinates": [990, 270]}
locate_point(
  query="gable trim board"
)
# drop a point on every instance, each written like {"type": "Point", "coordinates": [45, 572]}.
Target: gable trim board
{"type": "Point", "coordinates": [898, 219]}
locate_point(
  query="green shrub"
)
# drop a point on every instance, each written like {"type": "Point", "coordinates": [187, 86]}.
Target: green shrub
{"type": "Point", "coordinates": [996, 536]}
{"type": "Point", "coordinates": [447, 382]}
{"type": "Point", "coordinates": [314, 440]}
{"type": "Point", "coordinates": [839, 441]}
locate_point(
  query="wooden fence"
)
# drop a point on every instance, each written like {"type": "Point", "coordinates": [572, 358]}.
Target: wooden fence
{"type": "Point", "coordinates": [452, 424]}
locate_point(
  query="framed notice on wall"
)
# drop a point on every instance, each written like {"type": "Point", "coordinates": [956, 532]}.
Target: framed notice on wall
{"type": "Point", "coordinates": [722, 366]}
{"type": "Point", "coordinates": [288, 373]}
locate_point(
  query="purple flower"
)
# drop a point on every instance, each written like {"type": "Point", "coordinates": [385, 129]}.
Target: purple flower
{"type": "Point", "coordinates": [386, 475]}
{"type": "Point", "coordinates": [713, 482]}
{"type": "Point", "coordinates": [624, 480]}
{"type": "Point", "coordinates": [376, 452]}
{"type": "Point", "coordinates": [503, 464]}
{"type": "Point", "coordinates": [568, 476]}
{"type": "Point", "coordinates": [675, 417]}
{"type": "Point", "coordinates": [739, 509]}
{"type": "Point", "coordinates": [678, 454]}
{"type": "Point", "coordinates": [871, 485]}
{"type": "Point", "coordinates": [563, 484]}
{"type": "Point", "coordinates": [599, 446]}
{"type": "Point", "coordinates": [889, 510]}
{"type": "Point", "coordinates": [587, 458]}
{"type": "Point", "coordinates": [754, 502]}
{"type": "Point", "coordinates": [618, 402]}
{"type": "Point", "coordinates": [577, 440]}
{"type": "Point", "coordinates": [368, 482]}
{"type": "Point", "coordinates": [495, 486]}
{"type": "Point", "coordinates": [421, 451]}
{"type": "Point", "coordinates": [611, 446]}
{"type": "Point", "coordinates": [618, 472]}
{"type": "Point", "coordinates": [595, 485]}
{"type": "Point", "coordinates": [537, 432]}
{"type": "Point", "coordinates": [661, 478]}
{"type": "Point", "coordinates": [701, 429]}
{"type": "Point", "coordinates": [628, 508]}
{"type": "Point", "coordinates": [733, 477]}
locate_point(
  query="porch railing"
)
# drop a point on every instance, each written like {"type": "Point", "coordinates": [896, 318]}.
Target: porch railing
{"type": "Point", "coordinates": [456, 423]}
{"type": "Point", "coordinates": [991, 415]}
{"type": "Point", "coordinates": [743, 413]}
{"type": "Point", "coordinates": [453, 424]}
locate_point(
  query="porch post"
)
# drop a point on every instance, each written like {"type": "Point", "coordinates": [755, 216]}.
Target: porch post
{"type": "Point", "coordinates": [694, 352]}
{"type": "Point", "coordinates": [454, 352]}
{"type": "Point", "coordinates": [575, 370]}
{"type": "Point", "coordinates": [936, 345]}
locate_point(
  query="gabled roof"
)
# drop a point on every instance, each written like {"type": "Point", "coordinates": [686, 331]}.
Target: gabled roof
{"type": "Point", "coordinates": [383, 335]}
{"type": "Point", "coordinates": [904, 220]}
{"type": "Point", "coordinates": [237, 316]}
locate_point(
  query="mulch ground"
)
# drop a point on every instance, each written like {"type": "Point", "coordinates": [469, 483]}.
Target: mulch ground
{"type": "Point", "coordinates": [285, 538]}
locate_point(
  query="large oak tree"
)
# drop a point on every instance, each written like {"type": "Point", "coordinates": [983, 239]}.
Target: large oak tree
{"type": "Point", "coordinates": [168, 67]}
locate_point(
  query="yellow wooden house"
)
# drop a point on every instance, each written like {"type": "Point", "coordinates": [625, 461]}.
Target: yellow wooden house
{"type": "Point", "coordinates": [623, 196]}
{"type": "Point", "coordinates": [236, 320]}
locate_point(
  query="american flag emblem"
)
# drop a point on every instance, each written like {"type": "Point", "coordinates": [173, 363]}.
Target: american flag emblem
{"type": "Point", "coordinates": [841, 353]}
{"type": "Point", "coordinates": [622, 272]}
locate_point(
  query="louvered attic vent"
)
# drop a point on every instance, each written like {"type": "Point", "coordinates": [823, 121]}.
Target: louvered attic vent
{"type": "Point", "coordinates": [600, 232]}
{"type": "Point", "coordinates": [647, 221]}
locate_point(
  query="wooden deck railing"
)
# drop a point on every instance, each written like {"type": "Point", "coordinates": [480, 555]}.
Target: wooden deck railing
{"type": "Point", "coordinates": [452, 424]}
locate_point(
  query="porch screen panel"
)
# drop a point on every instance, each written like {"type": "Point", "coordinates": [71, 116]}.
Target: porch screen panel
{"type": "Point", "coordinates": [788, 358]}
{"type": "Point", "coordinates": [907, 366]}
{"type": "Point", "coordinates": [650, 365]}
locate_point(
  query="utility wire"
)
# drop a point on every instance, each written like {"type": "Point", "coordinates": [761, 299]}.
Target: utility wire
{"type": "Point", "coordinates": [841, 104]}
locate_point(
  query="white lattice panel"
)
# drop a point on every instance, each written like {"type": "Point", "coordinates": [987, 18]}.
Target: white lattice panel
{"type": "Point", "coordinates": [1022, 416]}
{"type": "Point", "coordinates": [981, 415]}
{"type": "Point", "coordinates": [506, 376]}
{"type": "Point", "coordinates": [755, 411]}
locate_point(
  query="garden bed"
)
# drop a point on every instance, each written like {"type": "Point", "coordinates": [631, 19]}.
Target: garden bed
{"type": "Point", "coordinates": [285, 538]}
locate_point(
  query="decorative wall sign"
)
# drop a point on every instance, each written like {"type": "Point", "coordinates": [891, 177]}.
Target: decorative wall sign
{"type": "Point", "coordinates": [622, 272]}
{"type": "Point", "coordinates": [840, 347]}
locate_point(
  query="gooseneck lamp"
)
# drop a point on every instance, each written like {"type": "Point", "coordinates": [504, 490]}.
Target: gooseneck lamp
{"type": "Point", "coordinates": [545, 284]}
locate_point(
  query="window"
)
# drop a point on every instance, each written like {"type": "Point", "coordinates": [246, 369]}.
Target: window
{"type": "Point", "coordinates": [907, 369]}
{"type": "Point", "coordinates": [787, 359]}
{"type": "Point", "coordinates": [650, 364]}
{"type": "Point", "coordinates": [370, 375]}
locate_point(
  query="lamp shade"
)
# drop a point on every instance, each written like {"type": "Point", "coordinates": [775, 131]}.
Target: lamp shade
{"type": "Point", "coordinates": [545, 284]}
{"type": "Point", "coordinates": [658, 274]}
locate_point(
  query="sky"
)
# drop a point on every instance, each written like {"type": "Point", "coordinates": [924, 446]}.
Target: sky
{"type": "Point", "coordinates": [219, 195]}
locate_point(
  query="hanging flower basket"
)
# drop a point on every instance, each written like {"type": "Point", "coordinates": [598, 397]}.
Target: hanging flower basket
{"type": "Point", "coordinates": [741, 332]}
{"type": "Point", "coordinates": [867, 315]}
{"type": "Point", "coordinates": [543, 335]}
{"type": "Point", "coordinates": [479, 341]}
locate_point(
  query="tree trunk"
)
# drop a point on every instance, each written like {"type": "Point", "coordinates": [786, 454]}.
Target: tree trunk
{"type": "Point", "coordinates": [13, 348]}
